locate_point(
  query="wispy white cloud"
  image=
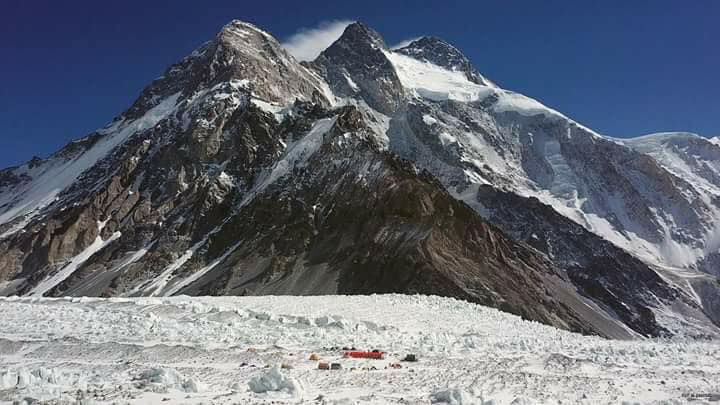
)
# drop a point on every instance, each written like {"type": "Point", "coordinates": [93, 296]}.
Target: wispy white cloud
{"type": "Point", "coordinates": [307, 43]}
{"type": "Point", "coordinates": [404, 43]}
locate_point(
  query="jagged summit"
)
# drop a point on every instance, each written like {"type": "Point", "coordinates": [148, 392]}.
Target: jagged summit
{"type": "Point", "coordinates": [239, 51]}
{"type": "Point", "coordinates": [355, 65]}
{"type": "Point", "coordinates": [357, 33]}
{"type": "Point", "coordinates": [440, 52]}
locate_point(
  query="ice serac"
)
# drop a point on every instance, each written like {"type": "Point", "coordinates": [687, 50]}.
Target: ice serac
{"type": "Point", "coordinates": [243, 172]}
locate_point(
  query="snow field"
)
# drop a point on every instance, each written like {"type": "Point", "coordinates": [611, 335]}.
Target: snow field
{"type": "Point", "coordinates": [436, 83]}
{"type": "Point", "coordinates": [227, 350]}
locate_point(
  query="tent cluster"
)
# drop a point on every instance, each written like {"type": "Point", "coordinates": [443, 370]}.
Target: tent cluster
{"type": "Point", "coordinates": [352, 353]}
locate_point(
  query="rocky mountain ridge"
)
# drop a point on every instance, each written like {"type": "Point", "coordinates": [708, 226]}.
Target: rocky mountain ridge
{"type": "Point", "coordinates": [242, 171]}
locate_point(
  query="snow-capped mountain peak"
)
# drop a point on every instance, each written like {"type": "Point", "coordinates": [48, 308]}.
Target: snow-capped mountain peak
{"type": "Point", "coordinates": [355, 66]}
{"type": "Point", "coordinates": [359, 34]}
{"type": "Point", "coordinates": [439, 52]}
{"type": "Point", "coordinates": [243, 171]}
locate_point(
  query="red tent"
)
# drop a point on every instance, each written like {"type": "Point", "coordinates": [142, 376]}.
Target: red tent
{"type": "Point", "coordinates": [365, 355]}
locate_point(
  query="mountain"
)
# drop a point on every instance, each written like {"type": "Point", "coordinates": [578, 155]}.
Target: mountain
{"type": "Point", "coordinates": [243, 172]}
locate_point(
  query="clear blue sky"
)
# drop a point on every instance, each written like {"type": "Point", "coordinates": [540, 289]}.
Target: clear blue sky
{"type": "Point", "coordinates": [623, 68]}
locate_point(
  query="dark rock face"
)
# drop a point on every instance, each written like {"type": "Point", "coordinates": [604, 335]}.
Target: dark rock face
{"type": "Point", "coordinates": [235, 173]}
{"type": "Point", "coordinates": [8, 178]}
{"type": "Point", "coordinates": [355, 65]}
{"type": "Point", "coordinates": [367, 222]}
{"type": "Point", "coordinates": [597, 267]}
{"type": "Point", "coordinates": [389, 230]}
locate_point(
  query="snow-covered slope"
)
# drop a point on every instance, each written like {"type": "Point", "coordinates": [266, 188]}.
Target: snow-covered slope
{"type": "Point", "coordinates": [695, 160]}
{"type": "Point", "coordinates": [242, 171]}
{"type": "Point", "coordinates": [658, 204]}
{"type": "Point", "coordinates": [202, 350]}
{"type": "Point", "coordinates": [515, 142]}
{"type": "Point", "coordinates": [432, 82]}
{"type": "Point", "coordinates": [474, 137]}
{"type": "Point", "coordinates": [41, 183]}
